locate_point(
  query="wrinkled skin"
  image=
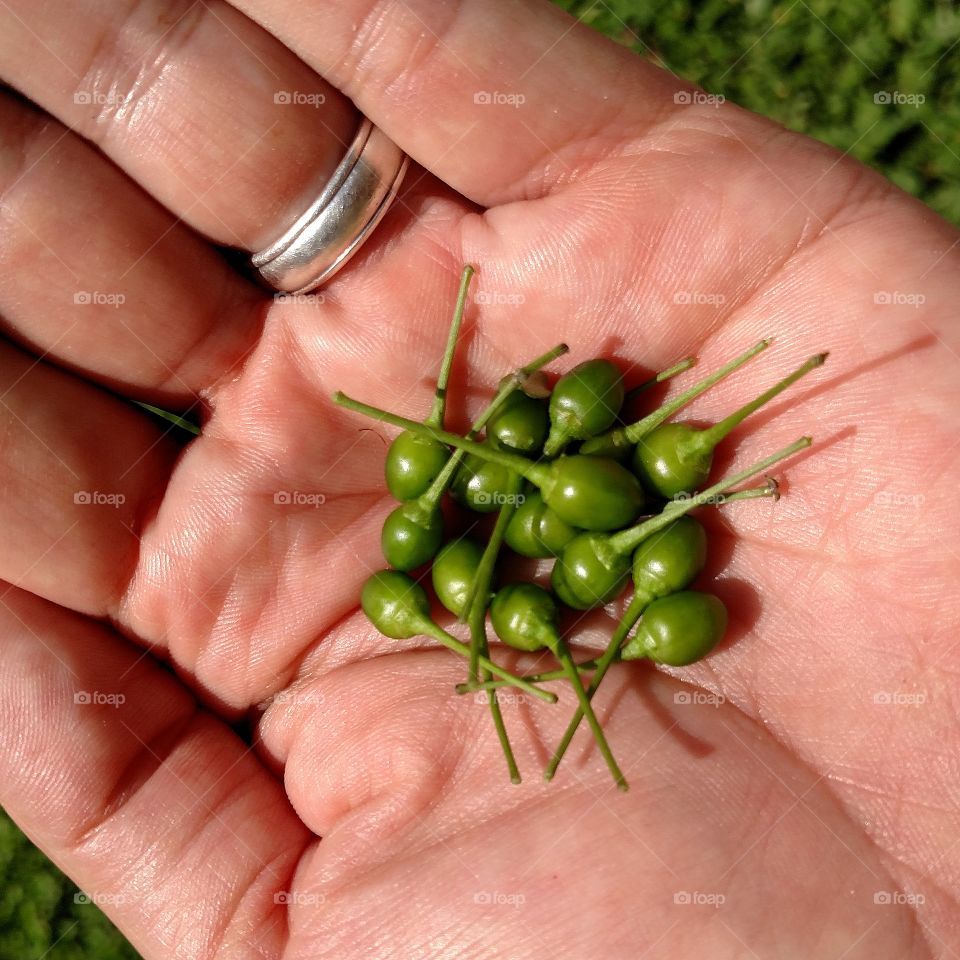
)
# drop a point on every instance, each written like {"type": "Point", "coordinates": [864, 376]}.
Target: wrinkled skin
{"type": "Point", "coordinates": [788, 786]}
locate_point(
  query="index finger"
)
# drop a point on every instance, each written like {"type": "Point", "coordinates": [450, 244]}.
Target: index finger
{"type": "Point", "coordinates": [503, 100]}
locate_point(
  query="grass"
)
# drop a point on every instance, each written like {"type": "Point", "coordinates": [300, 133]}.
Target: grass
{"type": "Point", "coordinates": [814, 65]}
{"type": "Point", "coordinates": [817, 66]}
{"type": "Point", "coordinates": [43, 914]}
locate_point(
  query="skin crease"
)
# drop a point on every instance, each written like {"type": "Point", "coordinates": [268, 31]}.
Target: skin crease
{"type": "Point", "coordinates": [798, 787]}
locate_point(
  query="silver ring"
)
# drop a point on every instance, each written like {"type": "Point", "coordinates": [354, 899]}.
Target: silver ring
{"type": "Point", "coordinates": [331, 230]}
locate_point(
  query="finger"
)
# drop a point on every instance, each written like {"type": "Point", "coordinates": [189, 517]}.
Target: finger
{"type": "Point", "coordinates": [182, 96]}
{"type": "Point", "coordinates": [155, 808]}
{"type": "Point", "coordinates": [503, 100]}
{"type": "Point", "coordinates": [82, 472]}
{"type": "Point", "coordinates": [138, 301]}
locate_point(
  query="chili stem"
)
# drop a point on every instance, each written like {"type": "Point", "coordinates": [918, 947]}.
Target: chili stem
{"type": "Point", "coordinates": [681, 367]}
{"type": "Point", "coordinates": [626, 541]}
{"type": "Point", "coordinates": [563, 655]}
{"type": "Point", "coordinates": [478, 639]}
{"type": "Point", "coordinates": [630, 617]}
{"type": "Point", "coordinates": [439, 408]}
{"type": "Point", "coordinates": [585, 666]}
{"type": "Point", "coordinates": [509, 384]}
{"type": "Point", "coordinates": [626, 436]}
{"type": "Point", "coordinates": [709, 438]}
{"type": "Point", "coordinates": [452, 643]}
{"type": "Point", "coordinates": [476, 600]}
{"type": "Point", "coordinates": [534, 472]}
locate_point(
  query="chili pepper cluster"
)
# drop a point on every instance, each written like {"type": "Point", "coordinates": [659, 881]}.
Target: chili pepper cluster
{"type": "Point", "coordinates": [569, 480]}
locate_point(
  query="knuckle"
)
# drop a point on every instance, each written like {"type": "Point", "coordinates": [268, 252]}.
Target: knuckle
{"type": "Point", "coordinates": [391, 46]}
{"type": "Point", "coordinates": [130, 56]}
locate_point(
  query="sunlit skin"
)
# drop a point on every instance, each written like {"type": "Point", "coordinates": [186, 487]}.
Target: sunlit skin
{"type": "Point", "coordinates": [804, 771]}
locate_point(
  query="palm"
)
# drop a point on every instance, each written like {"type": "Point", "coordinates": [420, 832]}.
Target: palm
{"type": "Point", "coordinates": [837, 593]}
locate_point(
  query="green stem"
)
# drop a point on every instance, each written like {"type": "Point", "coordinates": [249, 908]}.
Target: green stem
{"type": "Point", "coordinates": [630, 617]}
{"type": "Point", "coordinates": [173, 418]}
{"type": "Point", "coordinates": [477, 597]}
{"type": "Point", "coordinates": [427, 502]}
{"type": "Point", "coordinates": [626, 541]}
{"type": "Point", "coordinates": [504, 739]}
{"type": "Point", "coordinates": [534, 472]}
{"type": "Point", "coordinates": [439, 408]}
{"type": "Point", "coordinates": [624, 437]}
{"type": "Point", "coordinates": [709, 438]}
{"type": "Point", "coordinates": [430, 629]}
{"type": "Point", "coordinates": [478, 639]}
{"type": "Point", "coordinates": [685, 364]}
{"type": "Point", "coordinates": [585, 666]}
{"type": "Point", "coordinates": [769, 489]}
{"type": "Point", "coordinates": [585, 709]}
